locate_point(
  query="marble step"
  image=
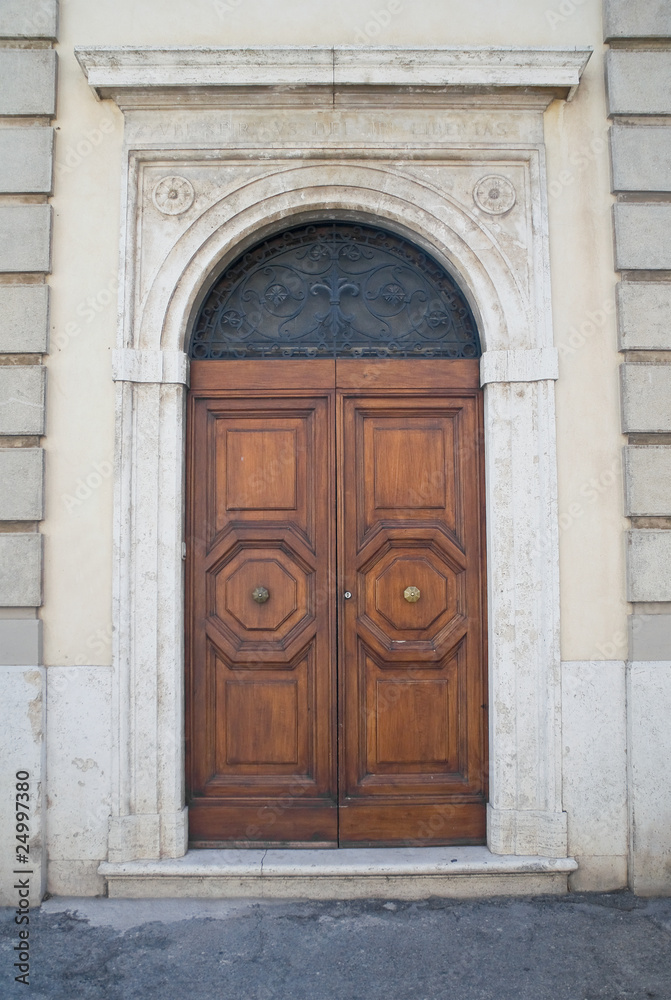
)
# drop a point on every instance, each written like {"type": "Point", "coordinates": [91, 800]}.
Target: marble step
{"type": "Point", "coordinates": [348, 873]}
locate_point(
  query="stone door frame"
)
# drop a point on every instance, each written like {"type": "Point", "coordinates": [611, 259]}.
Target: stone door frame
{"type": "Point", "coordinates": [450, 147]}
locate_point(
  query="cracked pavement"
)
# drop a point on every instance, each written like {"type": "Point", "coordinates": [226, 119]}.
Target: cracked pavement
{"type": "Point", "coordinates": [577, 947]}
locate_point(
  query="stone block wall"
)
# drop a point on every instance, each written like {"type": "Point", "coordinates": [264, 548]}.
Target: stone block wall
{"type": "Point", "coordinates": [27, 109]}
{"type": "Point", "coordinates": [638, 81]}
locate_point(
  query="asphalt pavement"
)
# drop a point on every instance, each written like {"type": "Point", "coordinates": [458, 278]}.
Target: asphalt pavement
{"type": "Point", "coordinates": [577, 947]}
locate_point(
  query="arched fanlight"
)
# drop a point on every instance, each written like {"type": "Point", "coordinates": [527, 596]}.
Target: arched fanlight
{"type": "Point", "coordinates": [335, 289]}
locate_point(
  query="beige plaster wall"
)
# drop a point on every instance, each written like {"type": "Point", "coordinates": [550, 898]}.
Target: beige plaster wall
{"type": "Point", "coordinates": [80, 397]}
{"type": "Point", "coordinates": [589, 442]}
{"type": "Point", "coordinates": [77, 610]}
{"type": "Point", "coordinates": [321, 22]}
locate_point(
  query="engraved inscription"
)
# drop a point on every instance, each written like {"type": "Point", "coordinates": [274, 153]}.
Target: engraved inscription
{"type": "Point", "coordinates": [298, 127]}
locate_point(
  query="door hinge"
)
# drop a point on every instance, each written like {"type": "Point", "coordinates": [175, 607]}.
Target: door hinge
{"type": "Point", "coordinates": [183, 550]}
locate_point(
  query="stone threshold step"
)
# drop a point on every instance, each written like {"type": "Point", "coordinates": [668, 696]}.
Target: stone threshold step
{"type": "Point", "coordinates": [348, 873]}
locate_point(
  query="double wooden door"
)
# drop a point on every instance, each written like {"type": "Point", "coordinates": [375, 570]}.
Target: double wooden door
{"type": "Point", "coordinates": [336, 680]}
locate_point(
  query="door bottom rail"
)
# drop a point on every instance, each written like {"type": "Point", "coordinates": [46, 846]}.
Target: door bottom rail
{"type": "Point", "coordinates": [347, 873]}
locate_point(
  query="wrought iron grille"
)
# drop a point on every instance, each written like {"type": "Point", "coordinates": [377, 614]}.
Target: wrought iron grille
{"type": "Point", "coordinates": [335, 290]}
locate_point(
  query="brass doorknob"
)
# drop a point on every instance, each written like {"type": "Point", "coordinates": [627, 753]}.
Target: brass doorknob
{"type": "Point", "coordinates": [260, 595]}
{"type": "Point", "coordinates": [411, 594]}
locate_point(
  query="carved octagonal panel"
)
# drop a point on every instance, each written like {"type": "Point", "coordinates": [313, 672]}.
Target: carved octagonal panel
{"type": "Point", "coordinates": [240, 620]}
{"type": "Point", "coordinates": [430, 580]}
{"type": "Point", "coordinates": [424, 623]}
{"type": "Point", "coordinates": [245, 594]}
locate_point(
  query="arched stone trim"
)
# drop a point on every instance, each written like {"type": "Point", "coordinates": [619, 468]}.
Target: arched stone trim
{"type": "Point", "coordinates": [455, 237]}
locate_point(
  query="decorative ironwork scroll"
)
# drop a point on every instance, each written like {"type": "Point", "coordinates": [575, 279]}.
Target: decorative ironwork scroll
{"type": "Point", "coordinates": [335, 290]}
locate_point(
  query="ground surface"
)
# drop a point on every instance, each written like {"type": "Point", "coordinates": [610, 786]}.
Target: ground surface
{"type": "Point", "coordinates": [578, 947]}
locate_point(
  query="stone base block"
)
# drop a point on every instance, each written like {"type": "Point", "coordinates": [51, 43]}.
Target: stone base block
{"type": "Point", "coordinates": [175, 834]}
{"type": "Point", "coordinates": [132, 838]}
{"type": "Point", "coordinates": [599, 874]}
{"type": "Point", "coordinates": [22, 724]}
{"type": "Point", "coordinates": [594, 745]}
{"type": "Point", "coordinates": [649, 697]}
{"type": "Point", "coordinates": [526, 832]}
{"type": "Point", "coordinates": [79, 761]}
{"type": "Point", "coordinates": [75, 878]}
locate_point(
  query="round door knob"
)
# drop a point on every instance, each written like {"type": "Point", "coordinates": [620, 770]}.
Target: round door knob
{"type": "Point", "coordinates": [260, 595]}
{"type": "Point", "coordinates": [347, 595]}
{"type": "Point", "coordinates": [411, 594]}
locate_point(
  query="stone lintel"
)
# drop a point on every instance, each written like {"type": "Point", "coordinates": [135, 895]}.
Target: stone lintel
{"type": "Point", "coordinates": [122, 70]}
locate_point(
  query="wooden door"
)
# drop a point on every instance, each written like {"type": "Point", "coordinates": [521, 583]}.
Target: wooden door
{"type": "Point", "coordinates": [390, 452]}
{"type": "Point", "coordinates": [260, 569]}
{"type": "Point", "coordinates": [412, 644]}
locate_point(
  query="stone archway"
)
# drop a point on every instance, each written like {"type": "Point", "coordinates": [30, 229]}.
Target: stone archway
{"type": "Point", "coordinates": [477, 206]}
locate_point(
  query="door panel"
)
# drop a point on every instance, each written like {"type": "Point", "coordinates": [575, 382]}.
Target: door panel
{"type": "Point", "coordinates": [281, 454]}
{"type": "Point", "coordinates": [412, 639]}
{"type": "Point", "coordinates": [261, 748]}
